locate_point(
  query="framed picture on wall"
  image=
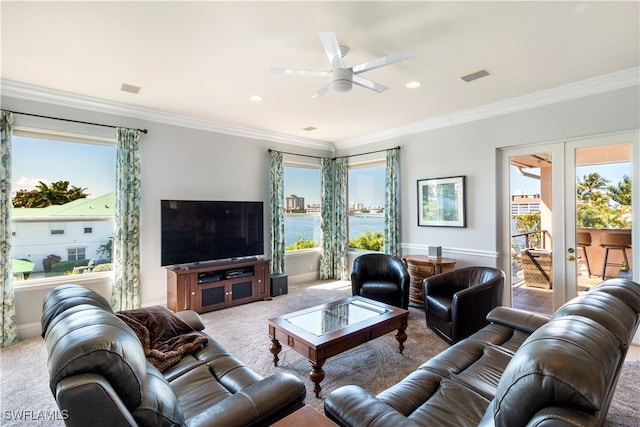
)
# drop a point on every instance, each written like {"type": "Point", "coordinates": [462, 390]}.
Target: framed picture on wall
{"type": "Point", "coordinates": [441, 202]}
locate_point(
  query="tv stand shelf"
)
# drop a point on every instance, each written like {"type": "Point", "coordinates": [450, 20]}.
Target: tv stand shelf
{"type": "Point", "coordinates": [211, 287]}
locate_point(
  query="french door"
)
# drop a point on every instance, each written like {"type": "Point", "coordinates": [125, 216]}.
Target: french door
{"type": "Point", "coordinates": [547, 200]}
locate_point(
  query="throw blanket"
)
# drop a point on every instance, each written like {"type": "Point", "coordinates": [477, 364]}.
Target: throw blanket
{"type": "Point", "coordinates": [164, 336]}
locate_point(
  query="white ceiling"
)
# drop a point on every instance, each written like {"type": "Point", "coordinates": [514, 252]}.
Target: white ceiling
{"type": "Point", "coordinates": [203, 60]}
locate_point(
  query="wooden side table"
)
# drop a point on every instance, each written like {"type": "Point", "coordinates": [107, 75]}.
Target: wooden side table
{"type": "Point", "coordinates": [421, 267]}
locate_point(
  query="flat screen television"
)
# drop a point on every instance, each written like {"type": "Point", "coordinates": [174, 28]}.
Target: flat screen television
{"type": "Point", "coordinates": [199, 231]}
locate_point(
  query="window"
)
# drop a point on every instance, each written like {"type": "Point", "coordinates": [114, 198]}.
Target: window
{"type": "Point", "coordinates": [301, 207]}
{"type": "Point", "coordinates": [76, 254]}
{"type": "Point", "coordinates": [365, 205]}
{"type": "Point", "coordinates": [63, 191]}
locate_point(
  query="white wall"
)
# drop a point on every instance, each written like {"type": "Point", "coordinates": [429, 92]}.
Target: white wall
{"type": "Point", "coordinates": [180, 162]}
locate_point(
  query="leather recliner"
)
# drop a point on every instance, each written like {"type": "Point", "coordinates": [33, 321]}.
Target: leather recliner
{"type": "Point", "coordinates": [457, 302]}
{"type": "Point", "coordinates": [381, 277]}
{"type": "Point", "coordinates": [99, 374]}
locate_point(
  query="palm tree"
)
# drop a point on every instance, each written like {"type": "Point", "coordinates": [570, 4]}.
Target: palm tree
{"type": "Point", "coordinates": [58, 193]}
{"type": "Point", "coordinates": [621, 193]}
{"type": "Point", "coordinates": [590, 185]}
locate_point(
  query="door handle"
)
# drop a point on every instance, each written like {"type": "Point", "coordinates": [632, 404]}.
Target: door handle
{"type": "Point", "coordinates": [571, 258]}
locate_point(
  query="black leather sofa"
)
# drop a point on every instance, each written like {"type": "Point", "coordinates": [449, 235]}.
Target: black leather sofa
{"type": "Point", "coordinates": [99, 374]}
{"type": "Point", "coordinates": [522, 369]}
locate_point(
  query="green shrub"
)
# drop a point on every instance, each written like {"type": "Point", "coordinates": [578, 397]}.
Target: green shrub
{"type": "Point", "coordinates": [63, 266]}
{"type": "Point", "coordinates": [369, 241]}
{"type": "Point", "coordinates": [301, 243]}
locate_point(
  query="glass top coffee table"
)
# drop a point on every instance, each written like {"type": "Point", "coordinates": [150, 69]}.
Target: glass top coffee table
{"type": "Point", "coordinates": [329, 329]}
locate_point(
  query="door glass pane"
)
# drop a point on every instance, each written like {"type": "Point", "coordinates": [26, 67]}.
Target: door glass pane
{"type": "Point", "coordinates": [531, 232]}
{"type": "Point", "coordinates": [603, 213]}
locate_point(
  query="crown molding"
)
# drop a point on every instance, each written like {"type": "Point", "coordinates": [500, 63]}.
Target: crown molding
{"type": "Point", "coordinates": [601, 84]}
{"type": "Point", "coordinates": [608, 82]}
{"type": "Point", "coordinates": [66, 99]}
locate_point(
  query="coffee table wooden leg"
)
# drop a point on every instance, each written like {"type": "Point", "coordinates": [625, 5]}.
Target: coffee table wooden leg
{"type": "Point", "coordinates": [317, 375]}
{"type": "Point", "coordinates": [401, 337]}
{"type": "Point", "coordinates": [275, 348]}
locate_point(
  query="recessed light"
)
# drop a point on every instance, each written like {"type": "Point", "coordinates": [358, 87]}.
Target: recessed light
{"type": "Point", "coordinates": [256, 98]}
{"type": "Point", "coordinates": [130, 88]}
{"type": "Point", "coordinates": [413, 84]}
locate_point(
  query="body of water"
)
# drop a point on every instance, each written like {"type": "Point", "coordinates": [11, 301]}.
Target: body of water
{"type": "Point", "coordinates": [308, 226]}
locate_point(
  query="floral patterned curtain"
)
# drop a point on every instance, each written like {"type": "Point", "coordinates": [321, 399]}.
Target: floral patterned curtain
{"type": "Point", "coordinates": [327, 219]}
{"type": "Point", "coordinates": [333, 260]}
{"type": "Point", "coordinates": [8, 333]}
{"type": "Point", "coordinates": [126, 287]}
{"type": "Point", "coordinates": [277, 213]}
{"type": "Point", "coordinates": [340, 227]}
{"type": "Point", "coordinates": [391, 205]}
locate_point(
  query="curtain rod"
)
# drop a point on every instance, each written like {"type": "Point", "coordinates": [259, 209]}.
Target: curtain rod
{"type": "Point", "coordinates": [339, 157]}
{"type": "Point", "coordinates": [72, 121]}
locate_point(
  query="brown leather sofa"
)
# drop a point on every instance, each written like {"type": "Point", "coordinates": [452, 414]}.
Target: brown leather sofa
{"type": "Point", "coordinates": [99, 374]}
{"type": "Point", "coordinates": [522, 369]}
{"type": "Point", "coordinates": [381, 277]}
{"type": "Point", "coordinates": [456, 303]}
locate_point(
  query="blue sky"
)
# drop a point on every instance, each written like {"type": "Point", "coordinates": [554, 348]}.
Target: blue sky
{"type": "Point", "coordinates": [83, 165]}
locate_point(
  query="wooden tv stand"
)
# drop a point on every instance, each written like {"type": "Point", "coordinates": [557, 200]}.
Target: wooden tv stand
{"type": "Point", "coordinates": [208, 287]}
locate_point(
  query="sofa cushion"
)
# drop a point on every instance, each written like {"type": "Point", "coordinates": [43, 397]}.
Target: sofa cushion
{"type": "Point", "coordinates": [160, 406]}
{"type": "Point", "coordinates": [64, 297]}
{"type": "Point", "coordinates": [606, 309]}
{"type": "Point", "coordinates": [198, 390]}
{"type": "Point", "coordinates": [569, 362]}
{"type": "Point", "coordinates": [440, 306]}
{"type": "Point", "coordinates": [626, 290]}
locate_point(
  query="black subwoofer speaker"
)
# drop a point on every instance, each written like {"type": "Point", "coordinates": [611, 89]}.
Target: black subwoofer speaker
{"type": "Point", "coordinates": [278, 284]}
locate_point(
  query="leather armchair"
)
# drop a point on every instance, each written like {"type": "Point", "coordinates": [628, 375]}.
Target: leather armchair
{"type": "Point", "coordinates": [457, 302]}
{"type": "Point", "coordinates": [381, 277]}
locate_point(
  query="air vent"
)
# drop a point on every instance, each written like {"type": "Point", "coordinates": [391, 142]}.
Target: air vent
{"type": "Point", "coordinates": [309, 128]}
{"type": "Point", "coordinates": [130, 88]}
{"type": "Point", "coordinates": [475, 76]}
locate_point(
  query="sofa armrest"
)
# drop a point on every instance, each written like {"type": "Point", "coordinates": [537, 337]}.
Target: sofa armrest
{"type": "Point", "coordinates": [73, 393]}
{"type": "Point", "coordinates": [561, 417]}
{"type": "Point", "coordinates": [192, 318]}
{"type": "Point", "coordinates": [352, 405]}
{"type": "Point", "coordinates": [517, 319]}
{"type": "Point", "coordinates": [261, 403]}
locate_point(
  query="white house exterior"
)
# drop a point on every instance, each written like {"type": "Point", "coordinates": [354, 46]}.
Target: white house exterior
{"type": "Point", "coordinates": [71, 231]}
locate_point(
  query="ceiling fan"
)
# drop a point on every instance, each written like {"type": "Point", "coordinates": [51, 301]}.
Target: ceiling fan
{"type": "Point", "coordinates": [341, 77]}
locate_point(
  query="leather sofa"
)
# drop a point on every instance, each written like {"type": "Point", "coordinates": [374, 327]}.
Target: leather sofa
{"type": "Point", "coordinates": [381, 277]}
{"type": "Point", "coordinates": [522, 369]}
{"type": "Point", "coordinates": [100, 376]}
{"type": "Point", "coordinates": [456, 303]}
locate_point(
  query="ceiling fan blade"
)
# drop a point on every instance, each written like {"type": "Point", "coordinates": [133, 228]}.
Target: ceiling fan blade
{"type": "Point", "coordinates": [324, 89]}
{"type": "Point", "coordinates": [361, 81]}
{"type": "Point", "coordinates": [381, 62]}
{"type": "Point", "coordinates": [300, 72]}
{"type": "Point", "coordinates": [332, 49]}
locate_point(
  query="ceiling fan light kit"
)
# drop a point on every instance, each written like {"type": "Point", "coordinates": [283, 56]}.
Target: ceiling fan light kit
{"type": "Point", "coordinates": [341, 77]}
{"type": "Point", "coordinates": [341, 80]}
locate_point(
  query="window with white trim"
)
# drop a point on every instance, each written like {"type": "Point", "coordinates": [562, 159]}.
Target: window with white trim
{"type": "Point", "coordinates": [365, 205]}
{"type": "Point", "coordinates": [49, 170]}
{"type": "Point", "coordinates": [301, 206]}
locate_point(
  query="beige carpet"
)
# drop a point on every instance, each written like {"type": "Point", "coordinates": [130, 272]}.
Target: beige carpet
{"type": "Point", "coordinates": [25, 398]}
